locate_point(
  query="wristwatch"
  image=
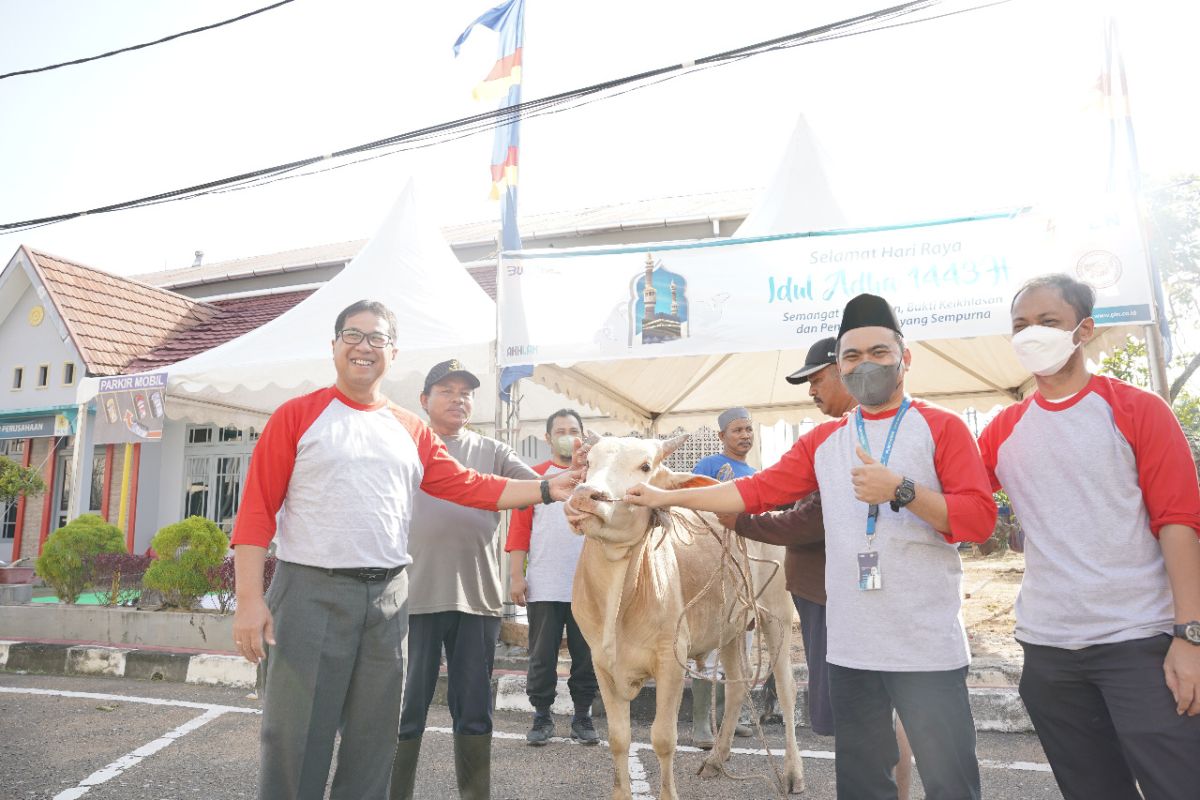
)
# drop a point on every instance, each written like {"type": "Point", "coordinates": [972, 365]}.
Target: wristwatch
{"type": "Point", "coordinates": [906, 492]}
{"type": "Point", "coordinates": [545, 487]}
{"type": "Point", "coordinates": [1189, 632]}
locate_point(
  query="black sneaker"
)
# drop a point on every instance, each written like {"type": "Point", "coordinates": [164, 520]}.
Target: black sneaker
{"type": "Point", "coordinates": [542, 730]}
{"type": "Point", "coordinates": [583, 731]}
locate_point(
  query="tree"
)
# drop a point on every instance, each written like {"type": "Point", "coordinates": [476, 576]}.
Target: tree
{"type": "Point", "coordinates": [1173, 225]}
{"type": "Point", "coordinates": [17, 482]}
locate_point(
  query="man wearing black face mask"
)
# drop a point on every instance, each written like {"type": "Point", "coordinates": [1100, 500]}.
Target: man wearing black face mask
{"type": "Point", "coordinates": [901, 482]}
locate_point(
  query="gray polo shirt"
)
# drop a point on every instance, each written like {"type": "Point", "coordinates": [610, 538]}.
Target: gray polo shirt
{"type": "Point", "coordinates": [455, 549]}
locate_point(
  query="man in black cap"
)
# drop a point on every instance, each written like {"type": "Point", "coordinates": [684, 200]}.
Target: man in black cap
{"type": "Point", "coordinates": [454, 596]}
{"type": "Point", "coordinates": [901, 483]}
{"type": "Point", "coordinates": [802, 531]}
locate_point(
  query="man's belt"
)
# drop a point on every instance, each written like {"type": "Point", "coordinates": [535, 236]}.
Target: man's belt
{"type": "Point", "coordinates": [368, 574]}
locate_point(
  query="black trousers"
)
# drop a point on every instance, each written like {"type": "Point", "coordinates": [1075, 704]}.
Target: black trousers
{"type": "Point", "coordinates": [936, 713]}
{"type": "Point", "coordinates": [546, 623]}
{"type": "Point", "coordinates": [1106, 719]}
{"type": "Point", "coordinates": [815, 635]}
{"type": "Point", "coordinates": [470, 644]}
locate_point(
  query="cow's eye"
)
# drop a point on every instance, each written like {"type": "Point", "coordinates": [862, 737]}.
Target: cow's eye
{"type": "Point", "coordinates": [644, 467]}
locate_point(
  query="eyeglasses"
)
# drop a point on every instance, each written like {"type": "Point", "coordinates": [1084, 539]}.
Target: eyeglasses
{"type": "Point", "coordinates": [352, 336]}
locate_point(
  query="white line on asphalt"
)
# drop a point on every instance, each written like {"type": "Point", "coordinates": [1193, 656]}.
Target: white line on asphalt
{"type": "Point", "coordinates": [107, 773]}
{"type": "Point", "coordinates": [639, 787]}
{"type": "Point", "coordinates": [825, 755]}
{"type": "Point", "coordinates": [153, 701]}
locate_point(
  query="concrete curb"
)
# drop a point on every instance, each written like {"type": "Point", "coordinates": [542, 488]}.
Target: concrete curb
{"type": "Point", "coordinates": [58, 658]}
{"type": "Point", "coordinates": [994, 700]}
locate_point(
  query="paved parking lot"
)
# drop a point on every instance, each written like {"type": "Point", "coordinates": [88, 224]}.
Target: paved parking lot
{"type": "Point", "coordinates": [103, 738]}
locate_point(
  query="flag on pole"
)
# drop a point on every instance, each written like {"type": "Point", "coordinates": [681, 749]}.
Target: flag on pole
{"type": "Point", "coordinates": [1124, 178]}
{"type": "Point", "coordinates": [504, 81]}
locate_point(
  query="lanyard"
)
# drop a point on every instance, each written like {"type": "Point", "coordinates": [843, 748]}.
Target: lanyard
{"type": "Point", "coordinates": [873, 510]}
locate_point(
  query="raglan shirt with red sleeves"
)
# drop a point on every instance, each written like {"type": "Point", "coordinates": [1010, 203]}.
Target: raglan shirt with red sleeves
{"type": "Point", "coordinates": [543, 531]}
{"type": "Point", "coordinates": [333, 481]}
{"type": "Point", "coordinates": [1092, 480]}
{"type": "Point", "coordinates": [914, 622]}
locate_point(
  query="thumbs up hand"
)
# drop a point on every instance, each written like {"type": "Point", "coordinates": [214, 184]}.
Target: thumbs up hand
{"type": "Point", "coordinates": [873, 482]}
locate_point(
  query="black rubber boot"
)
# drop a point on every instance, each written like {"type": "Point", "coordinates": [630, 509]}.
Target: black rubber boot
{"type": "Point", "coordinates": [404, 769]}
{"type": "Point", "coordinates": [473, 766]}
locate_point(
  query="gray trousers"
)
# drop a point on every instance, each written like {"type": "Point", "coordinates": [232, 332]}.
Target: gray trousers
{"type": "Point", "coordinates": [336, 666]}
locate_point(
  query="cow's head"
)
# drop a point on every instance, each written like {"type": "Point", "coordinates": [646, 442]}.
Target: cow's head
{"type": "Point", "coordinates": [614, 465]}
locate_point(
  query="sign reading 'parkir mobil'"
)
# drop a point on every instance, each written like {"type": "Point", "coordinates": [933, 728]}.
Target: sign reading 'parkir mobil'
{"type": "Point", "coordinates": [131, 408]}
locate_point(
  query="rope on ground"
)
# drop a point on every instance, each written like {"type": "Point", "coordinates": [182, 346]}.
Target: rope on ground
{"type": "Point", "coordinates": [745, 600]}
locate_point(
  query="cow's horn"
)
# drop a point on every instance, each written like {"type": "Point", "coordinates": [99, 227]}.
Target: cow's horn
{"type": "Point", "coordinates": [671, 445]}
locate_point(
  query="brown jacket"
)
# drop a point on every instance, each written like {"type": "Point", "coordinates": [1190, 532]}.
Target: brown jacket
{"type": "Point", "coordinates": [802, 531]}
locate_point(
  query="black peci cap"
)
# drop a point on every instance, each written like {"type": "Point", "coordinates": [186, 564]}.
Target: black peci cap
{"type": "Point", "coordinates": [868, 311]}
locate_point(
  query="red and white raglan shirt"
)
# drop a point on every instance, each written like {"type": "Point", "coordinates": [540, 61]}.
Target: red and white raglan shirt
{"type": "Point", "coordinates": [333, 482]}
{"type": "Point", "coordinates": [544, 533]}
{"type": "Point", "coordinates": [914, 622]}
{"type": "Point", "coordinates": [1092, 479]}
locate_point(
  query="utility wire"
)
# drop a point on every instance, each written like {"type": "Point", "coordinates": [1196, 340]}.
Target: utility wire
{"type": "Point", "coordinates": [144, 45]}
{"type": "Point", "coordinates": [476, 123]}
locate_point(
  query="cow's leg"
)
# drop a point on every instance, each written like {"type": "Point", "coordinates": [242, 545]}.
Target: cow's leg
{"type": "Point", "coordinates": [779, 642]}
{"type": "Point", "coordinates": [733, 658]}
{"type": "Point", "coordinates": [617, 711]}
{"type": "Point", "coordinates": [664, 734]}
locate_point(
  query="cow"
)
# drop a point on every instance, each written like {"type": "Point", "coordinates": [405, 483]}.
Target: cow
{"type": "Point", "coordinates": [641, 601]}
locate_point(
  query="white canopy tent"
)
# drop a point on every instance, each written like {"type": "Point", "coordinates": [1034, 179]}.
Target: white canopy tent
{"type": "Point", "coordinates": [666, 392]}
{"type": "Point", "coordinates": [442, 313]}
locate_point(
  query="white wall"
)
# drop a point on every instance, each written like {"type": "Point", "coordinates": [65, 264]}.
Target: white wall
{"type": "Point", "coordinates": [28, 346]}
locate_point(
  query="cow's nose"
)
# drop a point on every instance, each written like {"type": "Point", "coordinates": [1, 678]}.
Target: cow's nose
{"type": "Point", "coordinates": [594, 493]}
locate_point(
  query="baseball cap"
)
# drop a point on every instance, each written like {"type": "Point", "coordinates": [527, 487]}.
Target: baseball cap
{"type": "Point", "coordinates": [448, 369]}
{"type": "Point", "coordinates": [820, 355]}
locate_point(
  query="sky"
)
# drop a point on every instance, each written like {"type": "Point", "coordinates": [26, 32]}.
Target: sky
{"type": "Point", "coordinates": [943, 118]}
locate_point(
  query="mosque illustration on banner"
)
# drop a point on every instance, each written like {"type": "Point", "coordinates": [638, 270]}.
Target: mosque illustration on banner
{"type": "Point", "coordinates": [658, 305]}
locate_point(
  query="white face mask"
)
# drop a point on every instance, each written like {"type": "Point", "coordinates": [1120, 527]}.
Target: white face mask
{"type": "Point", "coordinates": [1044, 351]}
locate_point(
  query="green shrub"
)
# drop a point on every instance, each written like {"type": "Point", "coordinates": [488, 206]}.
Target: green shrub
{"type": "Point", "coordinates": [65, 562]}
{"type": "Point", "coordinates": [186, 554]}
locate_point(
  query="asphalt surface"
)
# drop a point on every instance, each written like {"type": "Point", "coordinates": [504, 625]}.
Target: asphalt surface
{"type": "Point", "coordinates": [139, 740]}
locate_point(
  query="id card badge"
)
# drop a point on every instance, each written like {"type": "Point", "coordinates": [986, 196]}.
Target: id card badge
{"type": "Point", "coordinates": [869, 575]}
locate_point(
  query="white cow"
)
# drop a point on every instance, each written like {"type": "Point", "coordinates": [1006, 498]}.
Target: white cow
{"type": "Point", "coordinates": [637, 573]}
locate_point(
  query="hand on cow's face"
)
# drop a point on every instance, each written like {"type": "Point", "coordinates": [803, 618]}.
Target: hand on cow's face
{"type": "Point", "coordinates": [643, 494]}
{"type": "Point", "coordinates": [564, 483]}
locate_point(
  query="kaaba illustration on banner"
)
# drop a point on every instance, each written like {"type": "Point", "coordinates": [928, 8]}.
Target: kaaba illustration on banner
{"type": "Point", "coordinates": [658, 305]}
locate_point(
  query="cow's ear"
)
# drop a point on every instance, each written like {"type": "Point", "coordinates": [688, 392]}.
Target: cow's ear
{"type": "Point", "coordinates": [686, 480]}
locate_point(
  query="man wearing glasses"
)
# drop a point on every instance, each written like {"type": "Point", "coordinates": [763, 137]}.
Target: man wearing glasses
{"type": "Point", "coordinates": [333, 482]}
{"type": "Point", "coordinates": [455, 594]}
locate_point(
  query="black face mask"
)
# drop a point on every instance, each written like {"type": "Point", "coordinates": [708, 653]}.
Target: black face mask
{"type": "Point", "coordinates": [873, 384]}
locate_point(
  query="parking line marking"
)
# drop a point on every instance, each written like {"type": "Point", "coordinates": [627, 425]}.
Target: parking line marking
{"type": "Point", "coordinates": [107, 773]}
{"type": "Point", "coordinates": [153, 701]}
{"type": "Point", "coordinates": [824, 755]}
{"type": "Point", "coordinates": [985, 763]}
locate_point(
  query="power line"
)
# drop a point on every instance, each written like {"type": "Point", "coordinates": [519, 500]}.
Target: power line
{"type": "Point", "coordinates": [467, 126]}
{"type": "Point", "coordinates": [144, 45]}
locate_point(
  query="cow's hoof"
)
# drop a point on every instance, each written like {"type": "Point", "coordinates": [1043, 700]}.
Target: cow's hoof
{"type": "Point", "coordinates": [795, 784]}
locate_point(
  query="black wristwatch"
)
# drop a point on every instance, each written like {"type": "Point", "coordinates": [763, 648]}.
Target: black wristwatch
{"type": "Point", "coordinates": [906, 492]}
{"type": "Point", "coordinates": [1189, 632]}
{"type": "Point", "coordinates": [546, 498]}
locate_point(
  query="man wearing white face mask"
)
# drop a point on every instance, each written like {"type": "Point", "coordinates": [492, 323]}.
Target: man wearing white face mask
{"type": "Point", "coordinates": [544, 588]}
{"type": "Point", "coordinates": [1103, 481]}
{"type": "Point", "coordinates": [901, 481]}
